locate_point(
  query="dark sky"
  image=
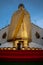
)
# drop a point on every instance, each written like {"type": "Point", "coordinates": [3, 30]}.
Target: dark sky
{"type": "Point", "coordinates": [8, 7]}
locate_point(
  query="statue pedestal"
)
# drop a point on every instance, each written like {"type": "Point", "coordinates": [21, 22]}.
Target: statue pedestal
{"type": "Point", "coordinates": [21, 55]}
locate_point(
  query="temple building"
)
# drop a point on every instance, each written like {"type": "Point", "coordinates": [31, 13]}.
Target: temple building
{"type": "Point", "coordinates": [21, 34]}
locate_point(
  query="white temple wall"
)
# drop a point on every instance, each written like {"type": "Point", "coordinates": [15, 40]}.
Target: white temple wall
{"type": "Point", "coordinates": [40, 31]}
{"type": "Point", "coordinates": [2, 31]}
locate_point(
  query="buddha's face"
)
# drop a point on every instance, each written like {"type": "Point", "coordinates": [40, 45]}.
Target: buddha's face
{"type": "Point", "coordinates": [21, 8]}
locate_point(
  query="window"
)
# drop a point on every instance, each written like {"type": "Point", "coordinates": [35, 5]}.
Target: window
{"type": "Point", "coordinates": [42, 37]}
{"type": "Point", "coordinates": [4, 35]}
{"type": "Point", "coordinates": [0, 44]}
{"type": "Point", "coordinates": [37, 35]}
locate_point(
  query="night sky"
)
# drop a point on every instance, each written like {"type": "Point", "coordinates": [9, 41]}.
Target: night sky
{"type": "Point", "coordinates": [8, 7]}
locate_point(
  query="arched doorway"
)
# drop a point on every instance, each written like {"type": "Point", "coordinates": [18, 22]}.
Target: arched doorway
{"type": "Point", "coordinates": [19, 45]}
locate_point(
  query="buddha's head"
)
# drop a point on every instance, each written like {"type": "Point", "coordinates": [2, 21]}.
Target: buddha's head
{"type": "Point", "coordinates": [21, 6]}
